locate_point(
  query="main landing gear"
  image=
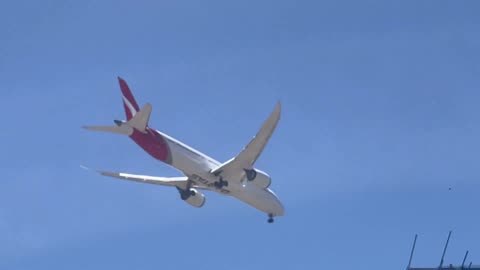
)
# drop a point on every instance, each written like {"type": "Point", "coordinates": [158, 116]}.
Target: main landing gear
{"type": "Point", "coordinates": [270, 218]}
{"type": "Point", "coordinates": [220, 183]}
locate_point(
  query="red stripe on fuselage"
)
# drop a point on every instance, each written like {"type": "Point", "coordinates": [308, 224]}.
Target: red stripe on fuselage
{"type": "Point", "coordinates": [153, 143]}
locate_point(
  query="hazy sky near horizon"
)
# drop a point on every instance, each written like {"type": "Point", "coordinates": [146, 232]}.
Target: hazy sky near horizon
{"type": "Point", "coordinates": [380, 118]}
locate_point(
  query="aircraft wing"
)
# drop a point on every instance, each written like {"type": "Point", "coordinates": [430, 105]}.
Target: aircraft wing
{"type": "Point", "coordinates": [180, 181]}
{"type": "Point", "coordinates": [234, 168]}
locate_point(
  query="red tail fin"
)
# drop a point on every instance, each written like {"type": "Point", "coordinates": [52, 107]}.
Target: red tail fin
{"type": "Point", "coordinates": [129, 103]}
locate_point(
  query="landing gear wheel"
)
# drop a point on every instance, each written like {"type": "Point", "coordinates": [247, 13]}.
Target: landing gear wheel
{"type": "Point", "coordinates": [270, 218]}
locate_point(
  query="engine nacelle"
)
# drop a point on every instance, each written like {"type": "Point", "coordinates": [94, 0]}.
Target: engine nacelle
{"type": "Point", "coordinates": [195, 198]}
{"type": "Point", "coordinates": [259, 178]}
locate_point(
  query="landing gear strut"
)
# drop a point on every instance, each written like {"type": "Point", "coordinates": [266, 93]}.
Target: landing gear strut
{"type": "Point", "coordinates": [270, 218]}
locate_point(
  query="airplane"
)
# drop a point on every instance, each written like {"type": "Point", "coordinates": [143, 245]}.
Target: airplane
{"type": "Point", "coordinates": [236, 177]}
{"type": "Point", "coordinates": [441, 266]}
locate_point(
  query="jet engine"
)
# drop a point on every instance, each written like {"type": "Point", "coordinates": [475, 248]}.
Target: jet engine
{"type": "Point", "coordinates": [259, 178]}
{"type": "Point", "coordinates": [192, 197]}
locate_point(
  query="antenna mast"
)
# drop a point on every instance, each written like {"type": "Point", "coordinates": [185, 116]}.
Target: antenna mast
{"type": "Point", "coordinates": [464, 259]}
{"type": "Point", "coordinates": [445, 249]}
{"type": "Point", "coordinates": [411, 254]}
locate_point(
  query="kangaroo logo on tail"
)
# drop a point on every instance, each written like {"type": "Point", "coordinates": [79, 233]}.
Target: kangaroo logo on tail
{"type": "Point", "coordinates": [129, 103]}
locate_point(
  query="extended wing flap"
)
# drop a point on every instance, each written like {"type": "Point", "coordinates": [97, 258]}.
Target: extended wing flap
{"type": "Point", "coordinates": [247, 157]}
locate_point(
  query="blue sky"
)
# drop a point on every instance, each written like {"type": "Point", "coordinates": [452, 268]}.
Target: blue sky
{"type": "Point", "coordinates": [380, 117]}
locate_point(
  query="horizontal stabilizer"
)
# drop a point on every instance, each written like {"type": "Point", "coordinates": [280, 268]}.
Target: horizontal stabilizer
{"type": "Point", "coordinates": [141, 118]}
{"type": "Point", "coordinates": [123, 129]}
{"type": "Point", "coordinates": [138, 122]}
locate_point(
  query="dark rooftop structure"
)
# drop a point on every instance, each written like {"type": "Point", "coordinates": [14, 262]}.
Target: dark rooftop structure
{"type": "Point", "coordinates": [442, 266]}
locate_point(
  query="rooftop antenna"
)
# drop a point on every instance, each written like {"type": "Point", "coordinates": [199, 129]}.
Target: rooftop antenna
{"type": "Point", "coordinates": [464, 259]}
{"type": "Point", "coordinates": [445, 249]}
{"type": "Point", "coordinates": [411, 254]}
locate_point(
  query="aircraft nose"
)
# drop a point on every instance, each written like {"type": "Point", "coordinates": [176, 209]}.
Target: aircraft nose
{"type": "Point", "coordinates": [276, 206]}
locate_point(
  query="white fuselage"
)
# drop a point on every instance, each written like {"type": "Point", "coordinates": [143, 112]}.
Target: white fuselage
{"type": "Point", "coordinates": [198, 166]}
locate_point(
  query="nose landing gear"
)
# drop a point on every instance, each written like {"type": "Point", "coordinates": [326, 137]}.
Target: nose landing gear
{"type": "Point", "coordinates": [270, 218]}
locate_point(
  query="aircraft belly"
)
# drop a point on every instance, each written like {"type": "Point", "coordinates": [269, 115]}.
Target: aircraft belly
{"type": "Point", "coordinates": [262, 199]}
{"type": "Point", "coordinates": [189, 162]}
